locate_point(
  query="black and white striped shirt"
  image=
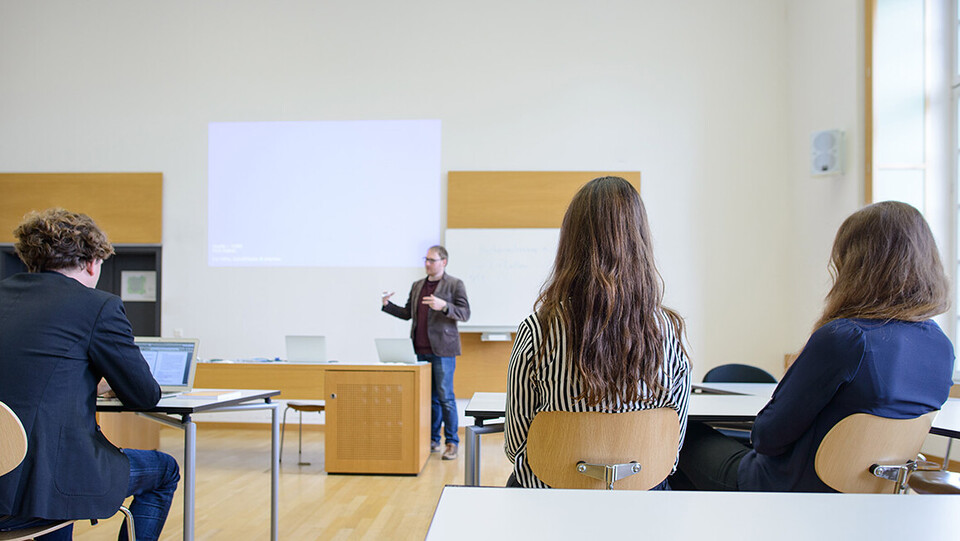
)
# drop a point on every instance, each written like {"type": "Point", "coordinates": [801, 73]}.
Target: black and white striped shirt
{"type": "Point", "coordinates": [555, 386]}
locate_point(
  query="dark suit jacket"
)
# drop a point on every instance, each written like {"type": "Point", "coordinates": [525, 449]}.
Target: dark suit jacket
{"type": "Point", "coordinates": [441, 328]}
{"type": "Point", "coordinates": [57, 338]}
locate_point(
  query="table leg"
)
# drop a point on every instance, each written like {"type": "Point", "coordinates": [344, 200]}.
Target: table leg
{"type": "Point", "coordinates": [275, 475]}
{"type": "Point", "coordinates": [189, 476]}
{"type": "Point", "coordinates": [471, 465]}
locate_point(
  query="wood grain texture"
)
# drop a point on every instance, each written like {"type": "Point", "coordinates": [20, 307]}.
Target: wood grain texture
{"type": "Point", "coordinates": [559, 440]}
{"type": "Point", "coordinates": [860, 440]}
{"type": "Point", "coordinates": [377, 419]}
{"type": "Point", "coordinates": [129, 430]}
{"type": "Point", "coordinates": [295, 381]}
{"type": "Point", "coordinates": [482, 366]}
{"type": "Point", "coordinates": [127, 206]}
{"type": "Point", "coordinates": [516, 199]}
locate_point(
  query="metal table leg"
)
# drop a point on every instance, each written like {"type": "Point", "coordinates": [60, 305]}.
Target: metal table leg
{"type": "Point", "coordinates": [471, 465]}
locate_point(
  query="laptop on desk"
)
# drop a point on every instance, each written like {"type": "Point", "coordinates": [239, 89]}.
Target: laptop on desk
{"type": "Point", "coordinates": [395, 350]}
{"type": "Point", "coordinates": [306, 349]}
{"type": "Point", "coordinates": [172, 361]}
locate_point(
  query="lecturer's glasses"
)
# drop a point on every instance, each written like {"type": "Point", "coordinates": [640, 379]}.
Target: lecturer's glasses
{"type": "Point", "coordinates": [431, 260]}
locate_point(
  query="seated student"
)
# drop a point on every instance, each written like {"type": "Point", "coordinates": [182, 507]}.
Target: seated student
{"type": "Point", "coordinates": [59, 337]}
{"type": "Point", "coordinates": [874, 351]}
{"type": "Point", "coordinates": [600, 340]}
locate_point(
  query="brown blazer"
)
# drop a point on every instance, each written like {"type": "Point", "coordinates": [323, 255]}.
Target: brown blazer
{"type": "Point", "coordinates": [441, 328]}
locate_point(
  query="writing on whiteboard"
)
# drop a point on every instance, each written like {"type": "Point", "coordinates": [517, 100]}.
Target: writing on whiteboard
{"type": "Point", "coordinates": [502, 270]}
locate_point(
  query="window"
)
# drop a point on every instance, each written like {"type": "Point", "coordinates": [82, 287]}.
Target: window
{"type": "Point", "coordinates": [912, 122]}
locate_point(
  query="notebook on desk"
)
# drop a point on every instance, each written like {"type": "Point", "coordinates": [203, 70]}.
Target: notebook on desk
{"type": "Point", "coordinates": [395, 350]}
{"type": "Point", "coordinates": [172, 361]}
{"type": "Point", "coordinates": [306, 349]}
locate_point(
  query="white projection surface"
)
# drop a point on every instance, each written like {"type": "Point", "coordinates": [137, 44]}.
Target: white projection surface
{"type": "Point", "coordinates": [323, 194]}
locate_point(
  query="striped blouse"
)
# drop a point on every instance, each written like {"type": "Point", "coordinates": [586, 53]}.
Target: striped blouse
{"type": "Point", "coordinates": [559, 382]}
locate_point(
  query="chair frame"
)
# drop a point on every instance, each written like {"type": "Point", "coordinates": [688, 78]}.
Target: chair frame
{"type": "Point", "coordinates": [299, 406]}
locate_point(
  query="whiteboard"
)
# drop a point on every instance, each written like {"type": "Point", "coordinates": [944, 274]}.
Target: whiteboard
{"type": "Point", "coordinates": [502, 270]}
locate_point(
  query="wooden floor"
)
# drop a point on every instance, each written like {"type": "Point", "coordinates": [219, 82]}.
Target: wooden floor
{"type": "Point", "coordinates": [233, 491]}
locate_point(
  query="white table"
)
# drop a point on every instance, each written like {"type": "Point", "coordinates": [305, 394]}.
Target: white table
{"type": "Point", "coordinates": [739, 402]}
{"type": "Point", "coordinates": [628, 514]}
{"type": "Point", "coordinates": [178, 413]}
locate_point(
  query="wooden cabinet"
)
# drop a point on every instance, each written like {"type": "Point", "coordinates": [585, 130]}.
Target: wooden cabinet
{"type": "Point", "coordinates": [130, 431]}
{"type": "Point", "coordinates": [378, 419]}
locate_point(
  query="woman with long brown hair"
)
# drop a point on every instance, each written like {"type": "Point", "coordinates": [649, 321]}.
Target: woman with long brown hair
{"type": "Point", "coordinates": [600, 339]}
{"type": "Point", "coordinates": [874, 350]}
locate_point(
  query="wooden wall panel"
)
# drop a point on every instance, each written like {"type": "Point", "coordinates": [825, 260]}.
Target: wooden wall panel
{"type": "Point", "coordinates": [482, 366]}
{"type": "Point", "coordinates": [127, 206]}
{"type": "Point", "coordinates": [516, 199]}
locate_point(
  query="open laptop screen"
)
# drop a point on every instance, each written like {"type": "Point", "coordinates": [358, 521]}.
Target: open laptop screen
{"type": "Point", "coordinates": [172, 361]}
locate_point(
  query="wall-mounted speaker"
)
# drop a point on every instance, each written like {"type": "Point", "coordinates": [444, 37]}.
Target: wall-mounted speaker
{"type": "Point", "coordinates": [826, 152]}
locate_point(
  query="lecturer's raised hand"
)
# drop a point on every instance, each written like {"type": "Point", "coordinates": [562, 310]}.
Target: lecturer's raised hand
{"type": "Point", "coordinates": [435, 303]}
{"type": "Point", "coordinates": [386, 297]}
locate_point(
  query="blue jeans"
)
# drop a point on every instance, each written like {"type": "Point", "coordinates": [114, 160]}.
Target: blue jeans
{"type": "Point", "coordinates": [153, 480]}
{"type": "Point", "coordinates": [443, 408]}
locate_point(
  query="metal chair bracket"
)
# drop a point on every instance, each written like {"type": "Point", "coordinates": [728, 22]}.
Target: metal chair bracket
{"type": "Point", "coordinates": [898, 473]}
{"type": "Point", "coordinates": [608, 473]}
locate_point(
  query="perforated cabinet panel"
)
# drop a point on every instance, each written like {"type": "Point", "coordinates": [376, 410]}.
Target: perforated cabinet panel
{"type": "Point", "coordinates": [377, 419]}
{"type": "Point", "coordinates": [375, 427]}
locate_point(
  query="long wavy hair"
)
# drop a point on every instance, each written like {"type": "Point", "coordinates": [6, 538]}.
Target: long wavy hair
{"type": "Point", "coordinates": [606, 291]}
{"type": "Point", "coordinates": [885, 265]}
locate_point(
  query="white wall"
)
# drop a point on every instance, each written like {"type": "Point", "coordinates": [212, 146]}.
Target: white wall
{"type": "Point", "coordinates": [825, 91]}
{"type": "Point", "coordinates": [712, 101]}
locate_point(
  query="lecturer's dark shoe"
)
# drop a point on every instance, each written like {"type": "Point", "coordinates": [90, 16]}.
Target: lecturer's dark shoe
{"type": "Point", "coordinates": [434, 446]}
{"type": "Point", "coordinates": [450, 453]}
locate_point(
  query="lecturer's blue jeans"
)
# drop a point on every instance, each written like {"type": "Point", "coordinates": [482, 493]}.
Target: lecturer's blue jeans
{"type": "Point", "coordinates": [153, 480]}
{"type": "Point", "coordinates": [443, 408]}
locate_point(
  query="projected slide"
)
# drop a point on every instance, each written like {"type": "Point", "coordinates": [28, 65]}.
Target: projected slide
{"type": "Point", "coordinates": [325, 194]}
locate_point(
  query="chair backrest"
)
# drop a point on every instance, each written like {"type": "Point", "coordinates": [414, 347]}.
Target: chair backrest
{"type": "Point", "coordinates": [13, 440]}
{"type": "Point", "coordinates": [738, 373]}
{"type": "Point", "coordinates": [558, 440]}
{"type": "Point", "coordinates": [860, 440]}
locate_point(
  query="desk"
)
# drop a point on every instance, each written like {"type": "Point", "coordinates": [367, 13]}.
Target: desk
{"type": "Point", "coordinates": [178, 411]}
{"type": "Point", "coordinates": [486, 407]}
{"type": "Point", "coordinates": [617, 514]}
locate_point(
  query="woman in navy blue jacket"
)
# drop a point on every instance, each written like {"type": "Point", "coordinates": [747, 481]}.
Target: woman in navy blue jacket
{"type": "Point", "coordinates": [875, 350]}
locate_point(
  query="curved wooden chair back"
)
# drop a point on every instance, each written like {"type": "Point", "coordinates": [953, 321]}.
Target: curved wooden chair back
{"type": "Point", "coordinates": [861, 440]}
{"type": "Point", "coordinates": [13, 440]}
{"type": "Point", "coordinates": [558, 440]}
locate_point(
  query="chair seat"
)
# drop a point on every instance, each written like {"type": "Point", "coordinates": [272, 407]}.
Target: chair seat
{"type": "Point", "coordinates": [935, 482]}
{"type": "Point", "coordinates": [313, 405]}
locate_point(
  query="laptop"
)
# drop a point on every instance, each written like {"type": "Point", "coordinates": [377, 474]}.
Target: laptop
{"type": "Point", "coordinates": [172, 361]}
{"type": "Point", "coordinates": [306, 349]}
{"type": "Point", "coordinates": [395, 350]}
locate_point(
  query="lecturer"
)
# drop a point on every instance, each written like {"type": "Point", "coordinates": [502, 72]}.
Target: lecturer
{"type": "Point", "coordinates": [436, 303]}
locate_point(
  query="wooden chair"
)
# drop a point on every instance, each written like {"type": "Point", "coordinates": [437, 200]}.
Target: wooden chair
{"type": "Point", "coordinates": [299, 406]}
{"type": "Point", "coordinates": [853, 455]}
{"type": "Point", "coordinates": [594, 450]}
{"type": "Point", "coordinates": [13, 447]}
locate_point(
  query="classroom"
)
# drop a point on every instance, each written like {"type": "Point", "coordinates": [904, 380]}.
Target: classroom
{"type": "Point", "coordinates": [711, 102]}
